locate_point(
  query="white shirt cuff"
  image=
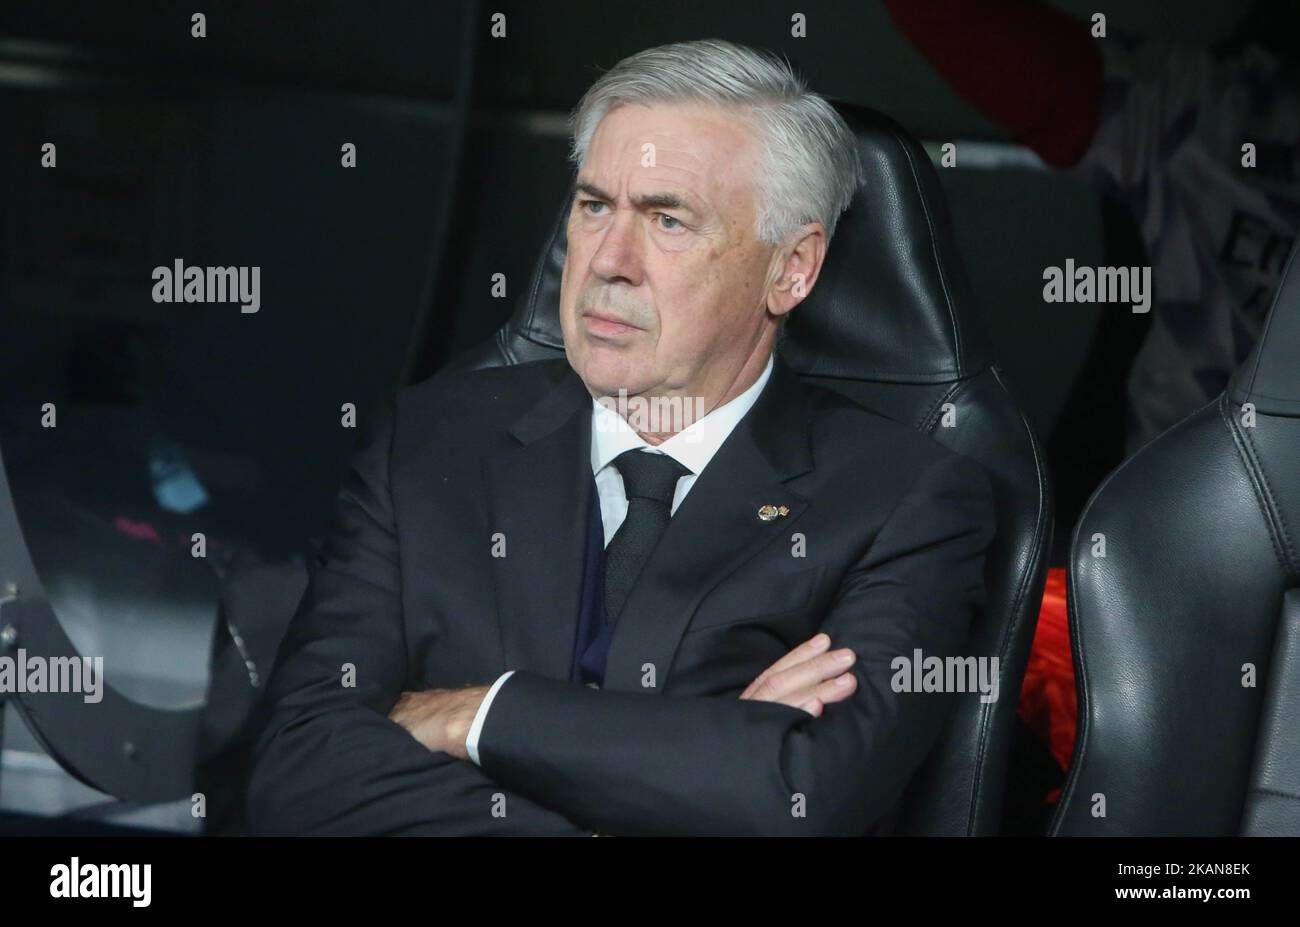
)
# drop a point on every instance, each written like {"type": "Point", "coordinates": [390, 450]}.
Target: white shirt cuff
{"type": "Point", "coordinates": [471, 742]}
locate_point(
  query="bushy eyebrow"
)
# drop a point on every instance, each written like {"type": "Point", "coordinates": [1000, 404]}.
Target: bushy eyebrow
{"type": "Point", "coordinates": [663, 200]}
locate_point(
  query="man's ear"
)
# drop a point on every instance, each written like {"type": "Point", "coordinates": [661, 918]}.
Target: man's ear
{"type": "Point", "coordinates": [797, 264]}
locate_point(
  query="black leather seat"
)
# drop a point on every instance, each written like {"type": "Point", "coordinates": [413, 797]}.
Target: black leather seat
{"type": "Point", "coordinates": [892, 324]}
{"type": "Point", "coordinates": [1199, 528]}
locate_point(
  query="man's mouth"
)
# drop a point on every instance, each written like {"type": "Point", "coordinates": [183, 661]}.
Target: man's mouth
{"type": "Point", "coordinates": [601, 324]}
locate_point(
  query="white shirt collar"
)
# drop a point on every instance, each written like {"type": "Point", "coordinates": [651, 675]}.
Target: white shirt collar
{"type": "Point", "coordinates": [693, 447]}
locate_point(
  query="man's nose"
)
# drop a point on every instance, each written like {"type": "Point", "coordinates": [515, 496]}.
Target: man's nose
{"type": "Point", "coordinates": [618, 256]}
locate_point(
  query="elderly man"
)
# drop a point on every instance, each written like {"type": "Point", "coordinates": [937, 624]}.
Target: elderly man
{"type": "Point", "coordinates": [538, 613]}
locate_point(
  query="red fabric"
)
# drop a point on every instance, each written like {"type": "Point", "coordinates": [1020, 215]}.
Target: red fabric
{"type": "Point", "coordinates": [1047, 698]}
{"type": "Point", "coordinates": [141, 530]}
{"type": "Point", "coordinates": [1031, 68]}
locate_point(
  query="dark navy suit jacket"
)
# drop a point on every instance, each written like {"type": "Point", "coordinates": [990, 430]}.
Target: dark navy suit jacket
{"type": "Point", "coordinates": [458, 553]}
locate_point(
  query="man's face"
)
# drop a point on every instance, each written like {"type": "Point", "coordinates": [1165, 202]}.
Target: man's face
{"type": "Point", "coordinates": [665, 289]}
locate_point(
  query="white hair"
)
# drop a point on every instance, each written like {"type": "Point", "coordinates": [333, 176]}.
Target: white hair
{"type": "Point", "coordinates": [808, 164]}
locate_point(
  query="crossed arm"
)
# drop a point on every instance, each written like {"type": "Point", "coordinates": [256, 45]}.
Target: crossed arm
{"type": "Point", "coordinates": [330, 759]}
{"type": "Point", "coordinates": [637, 764]}
{"type": "Point", "coordinates": [809, 677]}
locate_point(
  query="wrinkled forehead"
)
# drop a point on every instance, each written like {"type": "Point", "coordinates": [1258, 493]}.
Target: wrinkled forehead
{"type": "Point", "coordinates": [707, 154]}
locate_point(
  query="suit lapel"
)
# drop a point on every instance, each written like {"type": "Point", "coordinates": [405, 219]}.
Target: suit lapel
{"type": "Point", "coordinates": [539, 492]}
{"type": "Point", "coordinates": [714, 531]}
{"type": "Point", "coordinates": [539, 495]}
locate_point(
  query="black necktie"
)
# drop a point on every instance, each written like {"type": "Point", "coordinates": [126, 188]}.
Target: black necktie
{"type": "Point", "coordinates": [649, 481]}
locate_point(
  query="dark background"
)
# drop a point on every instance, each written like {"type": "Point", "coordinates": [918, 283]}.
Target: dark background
{"type": "Point", "coordinates": [226, 151]}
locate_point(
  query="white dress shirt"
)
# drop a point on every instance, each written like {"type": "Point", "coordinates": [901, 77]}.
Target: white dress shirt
{"type": "Point", "coordinates": [692, 447]}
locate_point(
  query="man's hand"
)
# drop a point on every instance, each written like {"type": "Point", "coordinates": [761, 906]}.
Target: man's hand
{"type": "Point", "coordinates": [440, 718]}
{"type": "Point", "coordinates": [809, 677]}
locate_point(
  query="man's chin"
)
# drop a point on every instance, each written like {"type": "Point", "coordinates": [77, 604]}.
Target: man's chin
{"type": "Point", "coordinates": [606, 376]}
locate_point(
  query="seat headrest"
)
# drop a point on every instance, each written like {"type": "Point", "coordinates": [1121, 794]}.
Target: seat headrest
{"type": "Point", "coordinates": [893, 302]}
{"type": "Point", "coordinates": [1270, 377]}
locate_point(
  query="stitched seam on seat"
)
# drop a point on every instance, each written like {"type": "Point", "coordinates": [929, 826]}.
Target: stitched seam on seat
{"type": "Point", "coordinates": [934, 250]}
{"type": "Point", "coordinates": [1041, 535]}
{"type": "Point", "coordinates": [930, 418]}
{"type": "Point", "coordinates": [1268, 323]}
{"type": "Point", "coordinates": [1017, 601]}
{"type": "Point", "coordinates": [1262, 491]}
{"type": "Point", "coordinates": [503, 343]}
{"type": "Point", "coordinates": [1082, 712]}
{"type": "Point", "coordinates": [930, 421]}
{"type": "Point", "coordinates": [1292, 796]}
{"type": "Point", "coordinates": [987, 712]}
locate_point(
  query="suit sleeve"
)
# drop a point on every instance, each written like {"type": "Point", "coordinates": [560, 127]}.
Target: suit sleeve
{"type": "Point", "coordinates": [328, 760]}
{"type": "Point", "coordinates": [632, 763]}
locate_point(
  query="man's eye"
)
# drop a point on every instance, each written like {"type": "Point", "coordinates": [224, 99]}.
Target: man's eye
{"type": "Point", "coordinates": [586, 204]}
{"type": "Point", "coordinates": [675, 223]}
